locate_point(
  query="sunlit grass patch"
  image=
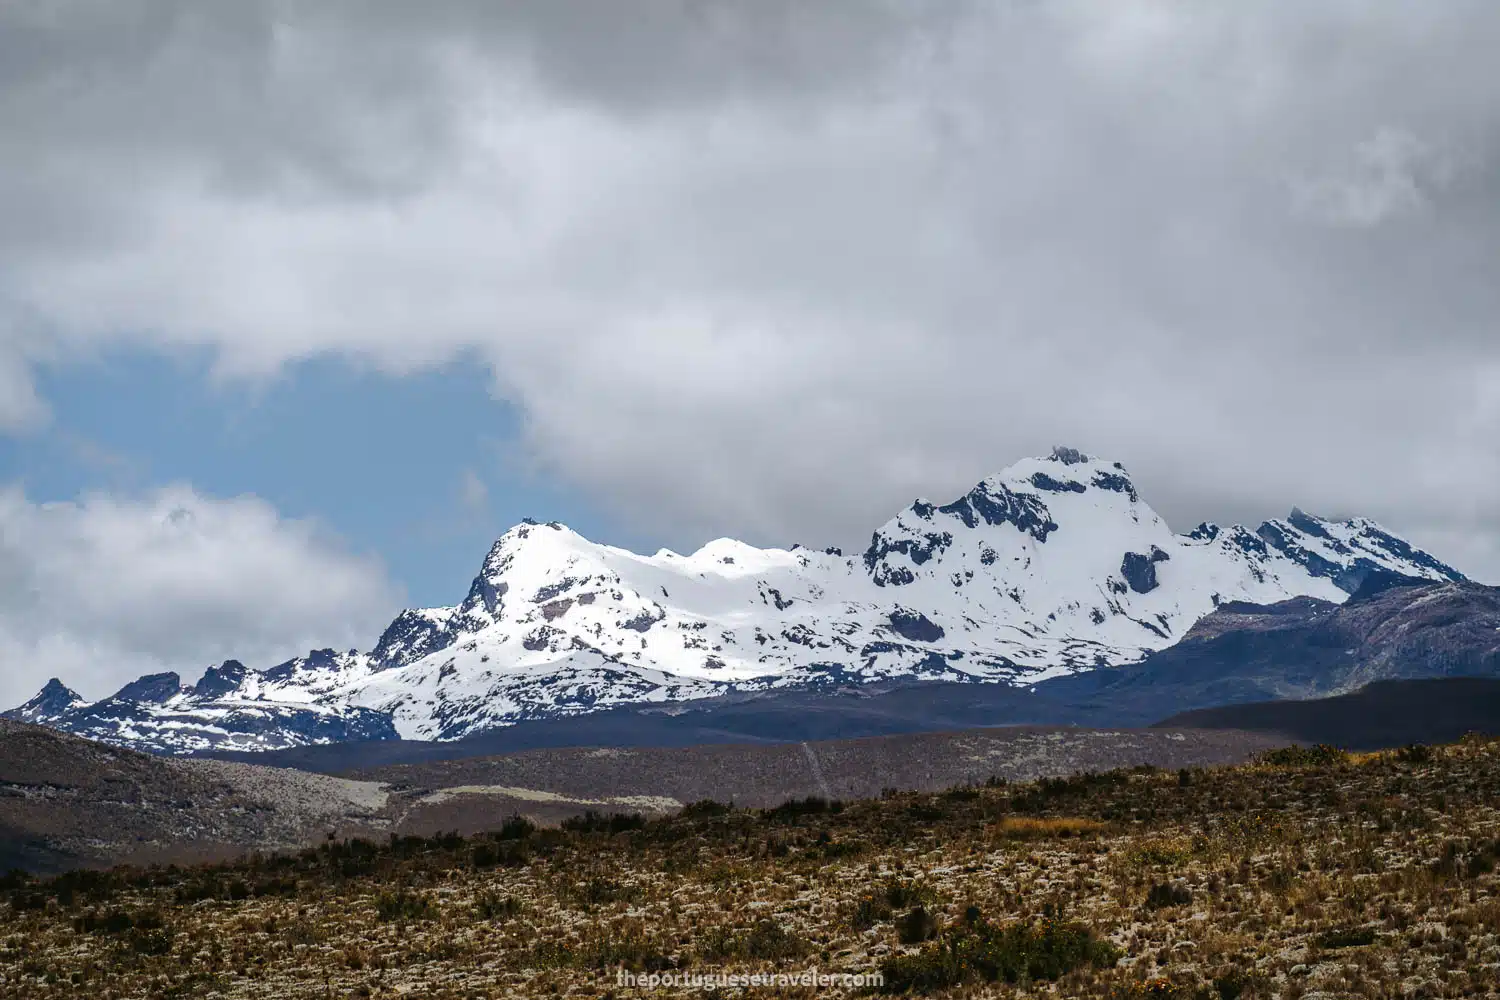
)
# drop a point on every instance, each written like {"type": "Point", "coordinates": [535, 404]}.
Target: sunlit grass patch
{"type": "Point", "coordinates": [1045, 827]}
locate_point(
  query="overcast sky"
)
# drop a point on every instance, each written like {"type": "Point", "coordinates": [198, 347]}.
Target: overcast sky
{"type": "Point", "coordinates": [768, 269]}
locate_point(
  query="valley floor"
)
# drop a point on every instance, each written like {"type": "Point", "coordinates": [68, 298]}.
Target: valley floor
{"type": "Point", "coordinates": [1306, 874]}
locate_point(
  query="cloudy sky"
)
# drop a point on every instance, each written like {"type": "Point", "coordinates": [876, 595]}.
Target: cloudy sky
{"type": "Point", "coordinates": [301, 304]}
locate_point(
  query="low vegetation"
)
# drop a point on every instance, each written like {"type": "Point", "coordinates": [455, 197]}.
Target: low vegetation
{"type": "Point", "coordinates": [1308, 874]}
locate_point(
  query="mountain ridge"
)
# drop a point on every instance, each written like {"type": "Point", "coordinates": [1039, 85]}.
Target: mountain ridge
{"type": "Point", "coordinates": [1051, 567]}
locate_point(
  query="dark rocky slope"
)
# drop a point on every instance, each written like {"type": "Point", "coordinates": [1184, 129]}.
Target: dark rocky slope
{"type": "Point", "coordinates": [1382, 714]}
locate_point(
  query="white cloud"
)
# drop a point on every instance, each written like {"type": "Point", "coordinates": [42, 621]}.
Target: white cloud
{"type": "Point", "coordinates": [103, 590]}
{"type": "Point", "coordinates": [770, 269]}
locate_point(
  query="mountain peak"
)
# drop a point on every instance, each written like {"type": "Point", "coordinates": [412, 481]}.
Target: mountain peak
{"type": "Point", "coordinates": [221, 680]}
{"type": "Point", "coordinates": [51, 701]}
{"type": "Point", "coordinates": [154, 688]}
{"type": "Point", "coordinates": [55, 688]}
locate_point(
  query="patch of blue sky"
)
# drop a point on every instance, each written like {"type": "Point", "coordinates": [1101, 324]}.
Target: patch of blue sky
{"type": "Point", "coordinates": [425, 469]}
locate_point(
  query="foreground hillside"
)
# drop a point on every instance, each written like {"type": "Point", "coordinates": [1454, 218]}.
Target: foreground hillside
{"type": "Point", "coordinates": [67, 802]}
{"type": "Point", "coordinates": [1307, 874]}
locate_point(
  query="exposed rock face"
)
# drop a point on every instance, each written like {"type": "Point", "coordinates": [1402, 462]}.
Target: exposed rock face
{"type": "Point", "coordinates": [1139, 570]}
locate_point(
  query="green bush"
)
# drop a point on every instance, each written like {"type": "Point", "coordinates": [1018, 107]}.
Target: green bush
{"type": "Point", "coordinates": [901, 894]}
{"type": "Point", "coordinates": [595, 822]}
{"type": "Point", "coordinates": [705, 809]}
{"type": "Point", "coordinates": [766, 940]}
{"type": "Point", "coordinates": [491, 907]}
{"type": "Point", "coordinates": [1231, 985]}
{"type": "Point", "coordinates": [1414, 753]}
{"type": "Point", "coordinates": [149, 942]}
{"type": "Point", "coordinates": [794, 809]}
{"type": "Point", "coordinates": [629, 948]}
{"type": "Point", "coordinates": [516, 828]}
{"type": "Point", "coordinates": [275, 887]}
{"type": "Point", "coordinates": [596, 891]}
{"type": "Point", "coordinates": [916, 926]}
{"type": "Point", "coordinates": [404, 905]}
{"type": "Point", "coordinates": [1296, 756]}
{"type": "Point", "coordinates": [27, 899]}
{"type": "Point", "coordinates": [1347, 937]}
{"type": "Point", "coordinates": [118, 922]}
{"type": "Point", "coordinates": [1165, 894]}
{"type": "Point", "coordinates": [869, 910]}
{"type": "Point", "coordinates": [980, 952]}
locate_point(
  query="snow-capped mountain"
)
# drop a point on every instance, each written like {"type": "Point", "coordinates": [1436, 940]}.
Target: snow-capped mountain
{"type": "Point", "coordinates": [1053, 566]}
{"type": "Point", "coordinates": [226, 710]}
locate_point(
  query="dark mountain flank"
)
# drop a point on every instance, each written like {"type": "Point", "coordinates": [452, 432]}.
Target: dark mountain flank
{"type": "Point", "coordinates": [1383, 714]}
{"type": "Point", "coordinates": [1392, 628]}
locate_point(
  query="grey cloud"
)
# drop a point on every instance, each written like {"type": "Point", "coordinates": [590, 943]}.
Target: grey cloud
{"type": "Point", "coordinates": [770, 269]}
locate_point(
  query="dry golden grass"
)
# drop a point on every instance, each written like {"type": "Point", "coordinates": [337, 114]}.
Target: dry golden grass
{"type": "Point", "coordinates": [1030, 827]}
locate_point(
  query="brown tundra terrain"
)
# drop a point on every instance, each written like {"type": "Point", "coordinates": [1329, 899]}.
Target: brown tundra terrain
{"type": "Point", "coordinates": [1308, 873]}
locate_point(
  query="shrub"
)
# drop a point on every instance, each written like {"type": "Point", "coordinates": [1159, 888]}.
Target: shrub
{"type": "Point", "coordinates": [1296, 756]}
{"type": "Point", "coordinates": [630, 947]}
{"type": "Point", "coordinates": [869, 910]}
{"type": "Point", "coordinates": [1414, 753]}
{"type": "Point", "coordinates": [766, 940]}
{"type": "Point", "coordinates": [516, 828]}
{"type": "Point", "coordinates": [1231, 985]}
{"type": "Point", "coordinates": [793, 809]}
{"type": "Point", "coordinates": [916, 926]}
{"type": "Point", "coordinates": [600, 890]}
{"type": "Point", "coordinates": [275, 887]}
{"type": "Point", "coordinates": [1347, 937]}
{"type": "Point", "coordinates": [900, 894]}
{"type": "Point", "coordinates": [1164, 894]}
{"type": "Point", "coordinates": [491, 907]}
{"type": "Point", "coordinates": [595, 822]}
{"type": "Point", "coordinates": [705, 809]}
{"type": "Point", "coordinates": [118, 922]}
{"type": "Point", "coordinates": [149, 942]}
{"type": "Point", "coordinates": [27, 899]}
{"type": "Point", "coordinates": [404, 905]}
{"type": "Point", "coordinates": [980, 952]}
